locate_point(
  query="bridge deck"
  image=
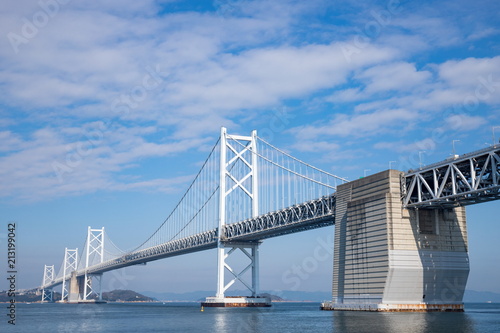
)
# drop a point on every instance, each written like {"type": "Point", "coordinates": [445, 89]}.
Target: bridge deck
{"type": "Point", "coordinates": [458, 181]}
{"type": "Point", "coordinates": [306, 216]}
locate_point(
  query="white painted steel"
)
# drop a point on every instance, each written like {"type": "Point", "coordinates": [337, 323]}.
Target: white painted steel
{"type": "Point", "coordinates": [238, 169]}
{"type": "Point", "coordinates": [307, 216]}
{"type": "Point", "coordinates": [247, 190]}
{"type": "Point", "coordinates": [222, 214]}
{"type": "Point", "coordinates": [458, 181]}
{"type": "Point", "coordinates": [94, 247]}
{"type": "Point", "coordinates": [48, 277]}
{"type": "Point", "coordinates": [70, 265]}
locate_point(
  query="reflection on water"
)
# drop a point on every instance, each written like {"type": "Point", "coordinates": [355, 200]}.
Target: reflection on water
{"type": "Point", "coordinates": [397, 322]}
{"type": "Point", "coordinates": [281, 317]}
{"type": "Point", "coordinates": [302, 317]}
{"type": "Point", "coordinates": [238, 320]}
{"type": "Point", "coordinates": [79, 318]}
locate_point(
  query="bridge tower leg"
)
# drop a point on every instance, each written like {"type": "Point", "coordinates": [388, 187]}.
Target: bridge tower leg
{"type": "Point", "coordinates": [247, 183]}
{"type": "Point", "coordinates": [389, 258]}
{"type": "Point", "coordinates": [48, 276]}
{"type": "Point", "coordinates": [92, 282]}
{"type": "Point", "coordinates": [70, 265]}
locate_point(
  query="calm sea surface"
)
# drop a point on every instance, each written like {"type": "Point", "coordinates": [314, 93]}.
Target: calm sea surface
{"type": "Point", "coordinates": [281, 317]}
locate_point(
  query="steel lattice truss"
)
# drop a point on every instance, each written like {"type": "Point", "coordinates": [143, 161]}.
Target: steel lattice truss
{"type": "Point", "coordinates": [189, 244]}
{"type": "Point", "coordinates": [199, 242]}
{"type": "Point", "coordinates": [309, 215]}
{"type": "Point", "coordinates": [458, 181]}
{"type": "Point", "coordinates": [48, 278]}
{"type": "Point", "coordinates": [70, 264]}
{"type": "Point", "coordinates": [242, 177]}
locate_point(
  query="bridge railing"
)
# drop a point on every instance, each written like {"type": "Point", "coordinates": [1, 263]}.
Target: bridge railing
{"type": "Point", "coordinates": [309, 215]}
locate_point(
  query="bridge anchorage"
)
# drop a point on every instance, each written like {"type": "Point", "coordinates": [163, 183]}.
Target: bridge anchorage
{"type": "Point", "coordinates": [400, 238]}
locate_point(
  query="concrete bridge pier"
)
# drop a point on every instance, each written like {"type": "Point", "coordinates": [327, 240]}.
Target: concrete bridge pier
{"type": "Point", "coordinates": [389, 258]}
{"type": "Point", "coordinates": [76, 285]}
{"type": "Point", "coordinates": [77, 289]}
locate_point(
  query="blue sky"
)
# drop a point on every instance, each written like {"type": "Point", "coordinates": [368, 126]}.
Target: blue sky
{"type": "Point", "coordinates": [108, 109]}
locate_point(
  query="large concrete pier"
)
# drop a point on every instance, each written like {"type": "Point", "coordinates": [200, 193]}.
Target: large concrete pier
{"type": "Point", "coordinates": [389, 258]}
{"type": "Point", "coordinates": [77, 291]}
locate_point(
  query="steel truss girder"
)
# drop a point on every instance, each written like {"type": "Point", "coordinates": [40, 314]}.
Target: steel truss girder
{"type": "Point", "coordinates": [202, 241]}
{"type": "Point", "coordinates": [309, 215]}
{"type": "Point", "coordinates": [460, 181]}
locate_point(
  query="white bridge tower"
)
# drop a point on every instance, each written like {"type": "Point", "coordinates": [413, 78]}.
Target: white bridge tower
{"type": "Point", "coordinates": [70, 265]}
{"type": "Point", "coordinates": [238, 177]}
{"type": "Point", "coordinates": [94, 248]}
{"type": "Point", "coordinates": [48, 276]}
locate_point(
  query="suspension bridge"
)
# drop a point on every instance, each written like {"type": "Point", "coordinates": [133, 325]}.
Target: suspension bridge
{"type": "Point", "coordinates": [247, 190]}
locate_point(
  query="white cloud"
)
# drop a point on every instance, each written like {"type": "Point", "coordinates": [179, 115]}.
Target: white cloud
{"type": "Point", "coordinates": [51, 164]}
{"type": "Point", "coordinates": [357, 125]}
{"type": "Point", "coordinates": [463, 122]}
{"type": "Point", "coordinates": [217, 68]}
{"type": "Point", "coordinates": [403, 147]}
{"type": "Point", "coordinates": [10, 141]}
{"type": "Point", "coordinates": [434, 30]}
{"type": "Point", "coordinates": [80, 63]}
{"type": "Point", "coordinates": [263, 77]}
{"type": "Point", "coordinates": [316, 146]}
{"type": "Point", "coordinates": [169, 185]}
{"type": "Point", "coordinates": [398, 76]}
{"type": "Point", "coordinates": [461, 85]}
{"type": "Point", "coordinates": [483, 33]}
{"type": "Point", "coordinates": [346, 96]}
{"type": "Point", "coordinates": [467, 72]}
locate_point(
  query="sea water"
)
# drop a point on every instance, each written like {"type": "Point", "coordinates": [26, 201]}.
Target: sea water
{"type": "Point", "coordinates": [281, 317]}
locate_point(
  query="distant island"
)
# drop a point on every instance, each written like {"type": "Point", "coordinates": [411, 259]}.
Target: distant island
{"type": "Point", "coordinates": [109, 296]}
{"type": "Point", "coordinates": [125, 296]}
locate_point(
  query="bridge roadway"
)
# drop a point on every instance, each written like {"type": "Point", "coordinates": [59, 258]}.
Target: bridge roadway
{"type": "Point", "coordinates": [460, 180]}
{"type": "Point", "coordinates": [457, 181]}
{"type": "Point", "coordinates": [306, 216]}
